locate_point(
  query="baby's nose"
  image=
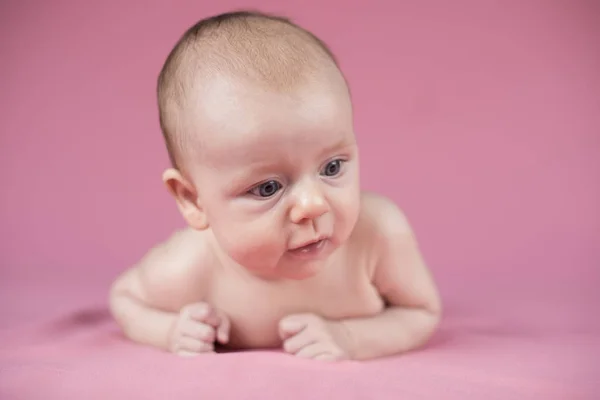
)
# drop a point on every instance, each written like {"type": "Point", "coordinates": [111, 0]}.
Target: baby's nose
{"type": "Point", "coordinates": [309, 203]}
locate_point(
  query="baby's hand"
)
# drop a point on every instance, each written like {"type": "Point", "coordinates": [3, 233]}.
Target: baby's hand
{"type": "Point", "coordinates": [197, 328]}
{"type": "Point", "coordinates": [310, 336]}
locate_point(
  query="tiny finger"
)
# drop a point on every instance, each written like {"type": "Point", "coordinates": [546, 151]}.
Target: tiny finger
{"type": "Point", "coordinates": [198, 330]}
{"type": "Point", "coordinates": [290, 326]}
{"type": "Point", "coordinates": [295, 343]}
{"type": "Point", "coordinates": [188, 345]}
{"type": "Point", "coordinates": [198, 311]}
{"type": "Point", "coordinates": [223, 330]}
{"type": "Point", "coordinates": [314, 350]}
{"type": "Point", "coordinates": [205, 313]}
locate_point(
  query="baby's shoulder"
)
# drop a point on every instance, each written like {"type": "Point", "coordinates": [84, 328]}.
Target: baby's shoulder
{"type": "Point", "coordinates": [178, 262]}
{"type": "Point", "coordinates": [379, 222]}
{"type": "Point", "coordinates": [381, 216]}
{"type": "Point", "coordinates": [181, 247]}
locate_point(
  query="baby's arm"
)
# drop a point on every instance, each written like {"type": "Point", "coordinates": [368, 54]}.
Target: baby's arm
{"type": "Point", "coordinates": [146, 300]}
{"type": "Point", "coordinates": [403, 279]}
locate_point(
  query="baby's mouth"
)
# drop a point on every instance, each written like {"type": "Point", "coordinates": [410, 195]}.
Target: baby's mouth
{"type": "Point", "coordinates": [309, 248]}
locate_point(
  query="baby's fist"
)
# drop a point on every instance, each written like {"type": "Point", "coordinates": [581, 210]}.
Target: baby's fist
{"type": "Point", "coordinates": [310, 336]}
{"type": "Point", "coordinates": [197, 328]}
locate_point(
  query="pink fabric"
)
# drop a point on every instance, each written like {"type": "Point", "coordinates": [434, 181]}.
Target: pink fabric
{"type": "Point", "coordinates": [58, 342]}
{"type": "Point", "coordinates": [487, 110]}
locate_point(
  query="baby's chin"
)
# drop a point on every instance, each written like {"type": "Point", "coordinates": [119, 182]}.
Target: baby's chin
{"type": "Point", "coordinates": [302, 272]}
{"type": "Point", "coordinates": [291, 270]}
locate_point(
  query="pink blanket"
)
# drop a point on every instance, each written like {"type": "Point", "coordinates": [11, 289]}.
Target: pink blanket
{"type": "Point", "coordinates": [57, 341]}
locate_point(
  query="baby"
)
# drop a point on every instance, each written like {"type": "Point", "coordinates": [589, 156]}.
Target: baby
{"type": "Point", "coordinates": [282, 249]}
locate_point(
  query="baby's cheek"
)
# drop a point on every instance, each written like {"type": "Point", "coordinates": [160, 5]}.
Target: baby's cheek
{"type": "Point", "coordinates": [254, 248]}
{"type": "Point", "coordinates": [347, 210]}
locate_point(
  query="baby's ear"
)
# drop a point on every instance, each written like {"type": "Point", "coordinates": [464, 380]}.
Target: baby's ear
{"type": "Point", "coordinates": [186, 198]}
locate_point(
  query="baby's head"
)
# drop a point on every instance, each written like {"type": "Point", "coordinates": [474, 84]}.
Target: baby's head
{"type": "Point", "coordinates": [257, 119]}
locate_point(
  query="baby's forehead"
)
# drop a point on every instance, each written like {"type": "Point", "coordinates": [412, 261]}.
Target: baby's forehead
{"type": "Point", "coordinates": [229, 109]}
{"type": "Point", "coordinates": [249, 157]}
{"type": "Point", "coordinates": [274, 156]}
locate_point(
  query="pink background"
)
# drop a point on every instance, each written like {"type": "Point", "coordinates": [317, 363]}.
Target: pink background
{"type": "Point", "coordinates": [487, 112]}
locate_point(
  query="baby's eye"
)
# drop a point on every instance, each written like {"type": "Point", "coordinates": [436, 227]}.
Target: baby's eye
{"type": "Point", "coordinates": [266, 189]}
{"type": "Point", "coordinates": [332, 168]}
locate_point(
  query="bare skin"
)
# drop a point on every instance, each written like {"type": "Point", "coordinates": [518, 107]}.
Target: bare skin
{"type": "Point", "coordinates": [278, 172]}
{"type": "Point", "coordinates": [344, 304]}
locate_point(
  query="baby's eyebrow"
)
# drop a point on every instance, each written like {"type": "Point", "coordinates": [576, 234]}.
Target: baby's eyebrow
{"type": "Point", "coordinates": [341, 144]}
{"type": "Point", "coordinates": [246, 173]}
